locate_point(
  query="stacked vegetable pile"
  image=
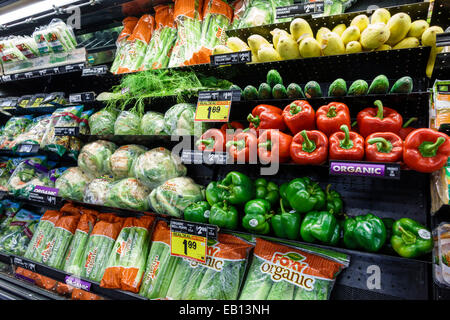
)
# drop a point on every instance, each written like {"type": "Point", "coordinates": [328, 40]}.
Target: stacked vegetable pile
{"type": "Point", "coordinates": [274, 88]}
{"type": "Point", "coordinates": [301, 209]}
{"type": "Point", "coordinates": [381, 32]}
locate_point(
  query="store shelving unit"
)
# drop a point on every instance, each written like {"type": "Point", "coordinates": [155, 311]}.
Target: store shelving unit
{"type": "Point", "coordinates": [407, 197]}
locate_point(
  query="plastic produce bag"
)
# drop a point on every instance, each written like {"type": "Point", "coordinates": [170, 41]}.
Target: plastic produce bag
{"type": "Point", "coordinates": [177, 278]}
{"type": "Point", "coordinates": [284, 272]}
{"type": "Point", "coordinates": [11, 209]}
{"type": "Point", "coordinates": [98, 248]}
{"type": "Point", "coordinates": [128, 25]}
{"type": "Point", "coordinates": [60, 241]}
{"type": "Point", "coordinates": [102, 122]}
{"type": "Point", "coordinates": [34, 133]}
{"type": "Point", "coordinates": [127, 260]}
{"type": "Point", "coordinates": [27, 46]}
{"type": "Point", "coordinates": [27, 176]}
{"type": "Point", "coordinates": [280, 3]}
{"type": "Point", "coordinates": [258, 13]}
{"type": "Point", "coordinates": [97, 191]}
{"type": "Point", "coordinates": [217, 16]}
{"type": "Point", "coordinates": [15, 237]}
{"type": "Point", "coordinates": [16, 125]}
{"type": "Point", "coordinates": [152, 123]}
{"type": "Point", "coordinates": [73, 261]}
{"type": "Point", "coordinates": [157, 165]}
{"type": "Point", "coordinates": [94, 158]}
{"type": "Point", "coordinates": [128, 193]}
{"type": "Point", "coordinates": [42, 44]}
{"type": "Point", "coordinates": [239, 8]}
{"type": "Point", "coordinates": [41, 235]}
{"type": "Point", "coordinates": [62, 117]}
{"type": "Point", "coordinates": [123, 158]}
{"type": "Point", "coordinates": [179, 120]}
{"type": "Point", "coordinates": [127, 123]}
{"type": "Point", "coordinates": [72, 184]}
{"type": "Point", "coordinates": [174, 195]}
{"type": "Point", "coordinates": [83, 122]}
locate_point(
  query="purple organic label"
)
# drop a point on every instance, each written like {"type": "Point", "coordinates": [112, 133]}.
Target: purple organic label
{"type": "Point", "coordinates": [77, 283]}
{"type": "Point", "coordinates": [19, 276]}
{"type": "Point", "coordinates": [357, 169]}
{"type": "Point", "coordinates": [46, 190]}
{"type": "Point", "coordinates": [36, 166]}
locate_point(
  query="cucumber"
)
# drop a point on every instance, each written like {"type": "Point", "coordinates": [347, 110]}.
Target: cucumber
{"type": "Point", "coordinates": [235, 87]}
{"type": "Point", "coordinates": [338, 88]}
{"type": "Point", "coordinates": [274, 78]}
{"type": "Point", "coordinates": [312, 90]}
{"type": "Point", "coordinates": [379, 85]}
{"type": "Point", "coordinates": [403, 85]}
{"type": "Point", "coordinates": [279, 92]}
{"type": "Point", "coordinates": [294, 91]}
{"type": "Point", "coordinates": [264, 91]}
{"type": "Point", "coordinates": [358, 88]}
{"type": "Point", "coordinates": [250, 93]}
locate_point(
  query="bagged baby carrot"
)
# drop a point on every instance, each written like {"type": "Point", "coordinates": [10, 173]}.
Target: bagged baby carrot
{"type": "Point", "coordinates": [127, 260]}
{"type": "Point", "coordinates": [285, 272]}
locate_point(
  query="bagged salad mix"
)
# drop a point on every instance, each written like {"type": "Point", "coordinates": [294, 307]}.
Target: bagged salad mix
{"type": "Point", "coordinates": [171, 277]}
{"type": "Point", "coordinates": [123, 158]}
{"type": "Point", "coordinates": [34, 133]}
{"type": "Point", "coordinates": [157, 165]}
{"type": "Point", "coordinates": [127, 260]}
{"type": "Point", "coordinates": [285, 272]}
{"type": "Point", "coordinates": [10, 210]}
{"type": "Point", "coordinates": [128, 193]}
{"type": "Point", "coordinates": [94, 158]}
{"type": "Point", "coordinates": [72, 183]}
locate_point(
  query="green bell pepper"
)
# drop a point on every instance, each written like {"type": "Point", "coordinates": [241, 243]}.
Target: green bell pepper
{"type": "Point", "coordinates": [257, 216]}
{"type": "Point", "coordinates": [213, 193]}
{"type": "Point", "coordinates": [237, 188]}
{"type": "Point", "coordinates": [283, 196]}
{"type": "Point", "coordinates": [305, 195]}
{"type": "Point", "coordinates": [197, 212]}
{"type": "Point", "coordinates": [322, 226]}
{"type": "Point", "coordinates": [410, 239]}
{"type": "Point", "coordinates": [334, 201]}
{"type": "Point", "coordinates": [224, 216]}
{"type": "Point", "coordinates": [267, 191]}
{"type": "Point", "coordinates": [286, 224]}
{"type": "Point", "coordinates": [366, 232]}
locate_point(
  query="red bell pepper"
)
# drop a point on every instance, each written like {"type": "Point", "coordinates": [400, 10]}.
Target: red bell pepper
{"type": "Point", "coordinates": [231, 126]}
{"type": "Point", "coordinates": [331, 117]}
{"type": "Point", "coordinates": [244, 147]}
{"type": "Point", "coordinates": [379, 119]}
{"type": "Point", "coordinates": [265, 116]}
{"type": "Point", "coordinates": [346, 145]}
{"type": "Point", "coordinates": [384, 147]}
{"type": "Point", "coordinates": [309, 147]}
{"type": "Point", "coordinates": [298, 116]}
{"type": "Point", "coordinates": [274, 146]}
{"type": "Point", "coordinates": [405, 130]}
{"type": "Point", "coordinates": [426, 150]}
{"type": "Point", "coordinates": [212, 140]}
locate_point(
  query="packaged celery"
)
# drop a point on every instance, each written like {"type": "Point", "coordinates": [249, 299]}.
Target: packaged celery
{"type": "Point", "coordinates": [177, 278]}
{"type": "Point", "coordinates": [63, 233]}
{"type": "Point", "coordinates": [285, 272]}
{"type": "Point", "coordinates": [128, 25]}
{"type": "Point", "coordinates": [15, 237]}
{"type": "Point", "coordinates": [42, 234]}
{"type": "Point", "coordinates": [74, 257]}
{"type": "Point", "coordinates": [127, 260]}
{"type": "Point", "coordinates": [99, 246]}
{"type": "Point", "coordinates": [216, 20]}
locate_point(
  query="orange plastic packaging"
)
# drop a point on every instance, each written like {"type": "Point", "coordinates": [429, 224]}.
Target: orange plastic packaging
{"type": "Point", "coordinates": [79, 294]}
{"type": "Point", "coordinates": [129, 23]}
{"type": "Point", "coordinates": [70, 208]}
{"type": "Point", "coordinates": [188, 9]}
{"type": "Point", "coordinates": [132, 252]}
{"type": "Point", "coordinates": [164, 16]}
{"type": "Point", "coordinates": [143, 29]}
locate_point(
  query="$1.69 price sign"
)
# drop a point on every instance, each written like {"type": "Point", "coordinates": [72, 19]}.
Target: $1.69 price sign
{"type": "Point", "coordinates": [215, 106]}
{"type": "Point", "coordinates": [188, 240]}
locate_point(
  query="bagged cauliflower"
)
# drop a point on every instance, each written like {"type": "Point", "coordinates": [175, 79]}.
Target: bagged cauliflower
{"type": "Point", "coordinates": [179, 120]}
{"type": "Point", "coordinates": [128, 193]}
{"type": "Point", "coordinates": [96, 191]}
{"type": "Point", "coordinates": [123, 158]}
{"type": "Point", "coordinates": [72, 183]}
{"type": "Point", "coordinates": [152, 123]}
{"type": "Point", "coordinates": [94, 158]}
{"type": "Point", "coordinates": [102, 122]}
{"type": "Point", "coordinates": [174, 195]}
{"type": "Point", "coordinates": [127, 123]}
{"type": "Point", "coordinates": [155, 166]}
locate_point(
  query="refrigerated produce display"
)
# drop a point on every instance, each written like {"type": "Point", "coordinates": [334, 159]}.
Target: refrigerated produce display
{"type": "Point", "coordinates": [226, 150]}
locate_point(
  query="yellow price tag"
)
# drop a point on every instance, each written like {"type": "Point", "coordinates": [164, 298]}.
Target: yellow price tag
{"type": "Point", "coordinates": [213, 111]}
{"type": "Point", "coordinates": [188, 246]}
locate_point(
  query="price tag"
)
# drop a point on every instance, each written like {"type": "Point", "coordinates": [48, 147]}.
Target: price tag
{"type": "Point", "coordinates": [299, 9]}
{"type": "Point", "coordinates": [67, 131]}
{"type": "Point", "coordinates": [365, 169]}
{"type": "Point", "coordinates": [199, 157]}
{"type": "Point", "coordinates": [6, 78]}
{"type": "Point", "coordinates": [443, 39]}
{"type": "Point", "coordinates": [19, 262]}
{"type": "Point", "coordinates": [231, 58]}
{"type": "Point", "coordinates": [28, 148]}
{"type": "Point", "coordinates": [215, 106]}
{"type": "Point", "coordinates": [188, 240]}
{"type": "Point", "coordinates": [46, 195]}
{"type": "Point", "coordinates": [42, 72]}
{"type": "Point", "coordinates": [29, 75]}
{"type": "Point", "coordinates": [92, 71]}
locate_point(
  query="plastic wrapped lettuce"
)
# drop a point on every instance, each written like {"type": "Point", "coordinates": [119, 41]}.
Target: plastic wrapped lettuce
{"type": "Point", "coordinates": [94, 158]}
{"type": "Point", "coordinates": [152, 123]}
{"type": "Point", "coordinates": [72, 183]}
{"type": "Point", "coordinates": [123, 158]}
{"type": "Point", "coordinates": [102, 122]}
{"type": "Point", "coordinates": [179, 120]}
{"type": "Point", "coordinates": [258, 13]}
{"type": "Point", "coordinates": [128, 193]}
{"type": "Point", "coordinates": [96, 191]}
{"type": "Point", "coordinates": [174, 195]}
{"type": "Point", "coordinates": [157, 165]}
{"type": "Point", "coordinates": [127, 123]}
